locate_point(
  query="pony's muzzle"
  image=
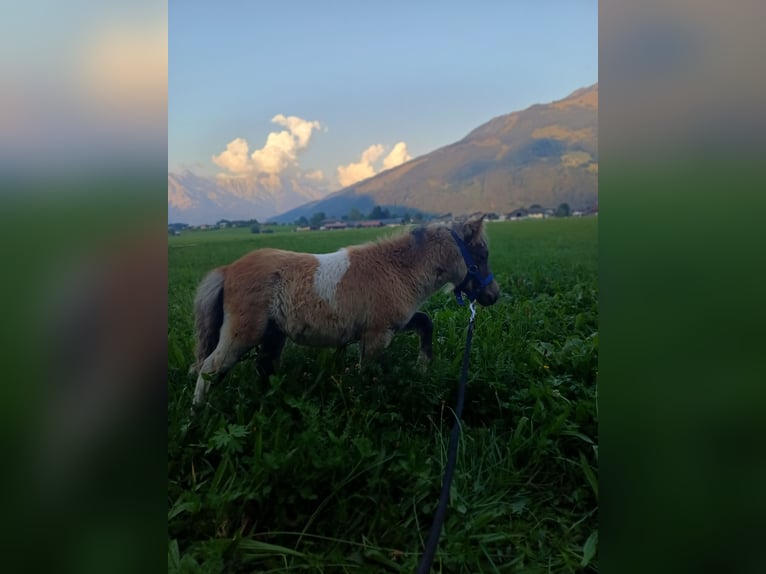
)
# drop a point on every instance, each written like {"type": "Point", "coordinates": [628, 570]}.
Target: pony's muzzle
{"type": "Point", "coordinates": [489, 295]}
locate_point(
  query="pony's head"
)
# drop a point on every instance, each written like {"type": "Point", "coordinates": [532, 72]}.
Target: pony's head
{"type": "Point", "coordinates": [478, 282]}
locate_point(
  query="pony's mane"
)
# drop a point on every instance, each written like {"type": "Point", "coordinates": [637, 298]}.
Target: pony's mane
{"type": "Point", "coordinates": [411, 231]}
{"type": "Point", "coordinates": [403, 237]}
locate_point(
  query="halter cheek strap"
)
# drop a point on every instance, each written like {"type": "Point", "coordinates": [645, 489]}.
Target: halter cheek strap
{"type": "Point", "coordinates": [473, 273]}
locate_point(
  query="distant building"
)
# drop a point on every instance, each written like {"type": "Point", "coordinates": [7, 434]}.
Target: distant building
{"type": "Point", "coordinates": [334, 225]}
{"type": "Point", "coordinates": [369, 223]}
{"type": "Point", "coordinates": [518, 214]}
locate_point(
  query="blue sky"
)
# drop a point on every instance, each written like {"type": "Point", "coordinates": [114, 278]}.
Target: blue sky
{"type": "Point", "coordinates": [365, 73]}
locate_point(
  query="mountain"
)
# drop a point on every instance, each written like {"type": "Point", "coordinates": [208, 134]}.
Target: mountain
{"type": "Point", "coordinates": [196, 199]}
{"type": "Point", "coordinates": [546, 154]}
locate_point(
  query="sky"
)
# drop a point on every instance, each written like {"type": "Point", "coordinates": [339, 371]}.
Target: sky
{"type": "Point", "coordinates": [334, 92]}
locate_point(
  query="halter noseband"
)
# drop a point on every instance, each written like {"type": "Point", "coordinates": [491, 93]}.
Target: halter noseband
{"type": "Point", "coordinates": [473, 273]}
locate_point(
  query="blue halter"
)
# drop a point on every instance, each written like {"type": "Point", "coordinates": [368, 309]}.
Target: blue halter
{"type": "Point", "coordinates": [473, 273]}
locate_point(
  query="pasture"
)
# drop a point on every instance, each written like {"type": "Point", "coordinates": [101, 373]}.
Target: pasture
{"type": "Point", "coordinates": [328, 470]}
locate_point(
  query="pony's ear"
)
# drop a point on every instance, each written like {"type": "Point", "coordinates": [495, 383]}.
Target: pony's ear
{"type": "Point", "coordinates": [472, 227]}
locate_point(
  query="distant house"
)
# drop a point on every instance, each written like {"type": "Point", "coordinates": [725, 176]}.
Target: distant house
{"type": "Point", "coordinates": [334, 225]}
{"type": "Point", "coordinates": [392, 221]}
{"type": "Point", "coordinates": [518, 214]}
{"type": "Point", "coordinates": [537, 212]}
{"type": "Point", "coordinates": [370, 223]}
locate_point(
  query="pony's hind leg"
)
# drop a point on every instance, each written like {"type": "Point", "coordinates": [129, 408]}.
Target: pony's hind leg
{"type": "Point", "coordinates": [223, 358]}
{"type": "Point", "coordinates": [231, 346]}
{"type": "Point", "coordinates": [269, 351]}
{"type": "Point", "coordinates": [422, 325]}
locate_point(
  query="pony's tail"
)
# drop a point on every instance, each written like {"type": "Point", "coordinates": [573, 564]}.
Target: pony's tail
{"type": "Point", "coordinates": [208, 315]}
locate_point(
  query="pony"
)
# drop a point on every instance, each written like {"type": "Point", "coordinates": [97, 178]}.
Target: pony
{"type": "Point", "coordinates": [361, 293]}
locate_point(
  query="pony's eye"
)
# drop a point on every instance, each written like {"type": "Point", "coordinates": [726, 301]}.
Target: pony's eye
{"type": "Point", "coordinates": [473, 269]}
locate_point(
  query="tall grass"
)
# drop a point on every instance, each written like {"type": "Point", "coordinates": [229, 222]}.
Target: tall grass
{"type": "Point", "coordinates": [327, 470]}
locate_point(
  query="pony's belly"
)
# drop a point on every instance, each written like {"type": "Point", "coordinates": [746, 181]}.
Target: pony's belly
{"type": "Point", "coordinates": [320, 336]}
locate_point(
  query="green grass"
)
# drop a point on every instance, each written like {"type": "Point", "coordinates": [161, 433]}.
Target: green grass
{"type": "Point", "coordinates": [327, 470]}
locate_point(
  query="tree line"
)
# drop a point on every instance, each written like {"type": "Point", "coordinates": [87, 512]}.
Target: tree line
{"type": "Point", "coordinates": [354, 214]}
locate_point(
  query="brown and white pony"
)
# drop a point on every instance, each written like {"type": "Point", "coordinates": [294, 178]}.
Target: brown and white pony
{"type": "Point", "coordinates": [362, 293]}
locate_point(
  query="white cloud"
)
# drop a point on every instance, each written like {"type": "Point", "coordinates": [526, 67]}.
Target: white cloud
{"type": "Point", "coordinates": [234, 158]}
{"type": "Point", "coordinates": [353, 172]}
{"type": "Point", "coordinates": [398, 156]}
{"type": "Point", "coordinates": [299, 128]}
{"type": "Point", "coordinates": [372, 153]}
{"type": "Point", "coordinates": [279, 157]}
{"type": "Point", "coordinates": [365, 167]}
{"type": "Point", "coordinates": [278, 154]}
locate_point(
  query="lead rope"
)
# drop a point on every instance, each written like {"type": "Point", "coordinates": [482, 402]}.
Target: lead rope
{"type": "Point", "coordinates": [436, 528]}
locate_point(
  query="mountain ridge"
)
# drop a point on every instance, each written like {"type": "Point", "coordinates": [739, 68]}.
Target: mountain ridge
{"type": "Point", "coordinates": [197, 199]}
{"type": "Point", "coordinates": [546, 154]}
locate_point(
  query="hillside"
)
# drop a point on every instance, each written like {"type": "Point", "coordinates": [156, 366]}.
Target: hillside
{"type": "Point", "coordinates": [546, 154]}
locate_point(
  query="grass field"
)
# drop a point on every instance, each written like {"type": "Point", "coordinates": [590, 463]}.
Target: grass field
{"type": "Point", "coordinates": [328, 470]}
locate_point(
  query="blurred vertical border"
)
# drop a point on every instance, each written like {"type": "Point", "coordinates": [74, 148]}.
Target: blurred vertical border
{"type": "Point", "coordinates": [83, 162]}
{"type": "Point", "coordinates": [682, 388]}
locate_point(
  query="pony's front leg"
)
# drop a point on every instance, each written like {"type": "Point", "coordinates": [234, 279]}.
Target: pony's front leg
{"type": "Point", "coordinates": [424, 327]}
{"type": "Point", "coordinates": [372, 343]}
